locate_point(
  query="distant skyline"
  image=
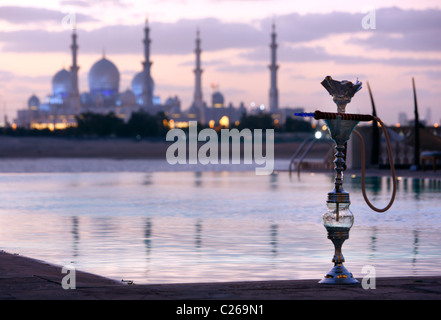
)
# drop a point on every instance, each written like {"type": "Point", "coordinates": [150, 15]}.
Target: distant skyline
{"type": "Point", "coordinates": [315, 39]}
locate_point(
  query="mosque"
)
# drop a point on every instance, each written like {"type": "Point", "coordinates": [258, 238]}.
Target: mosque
{"type": "Point", "coordinates": [59, 109]}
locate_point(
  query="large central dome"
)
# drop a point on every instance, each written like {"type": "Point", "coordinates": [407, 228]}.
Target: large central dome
{"type": "Point", "coordinates": [104, 78]}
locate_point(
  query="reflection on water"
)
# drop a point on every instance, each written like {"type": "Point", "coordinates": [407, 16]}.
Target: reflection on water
{"type": "Point", "coordinates": [415, 247]}
{"type": "Point", "coordinates": [198, 237]}
{"type": "Point", "coordinates": [273, 243]}
{"type": "Point", "coordinates": [373, 241]}
{"type": "Point", "coordinates": [214, 226]}
{"type": "Point", "coordinates": [76, 236]}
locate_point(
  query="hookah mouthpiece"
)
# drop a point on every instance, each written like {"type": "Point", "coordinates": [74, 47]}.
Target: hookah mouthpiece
{"type": "Point", "coordinates": [334, 115]}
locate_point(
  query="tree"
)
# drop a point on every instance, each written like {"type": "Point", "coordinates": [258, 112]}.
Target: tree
{"type": "Point", "coordinates": [142, 124]}
{"type": "Point", "coordinates": [259, 121]}
{"type": "Point", "coordinates": [295, 125]}
{"type": "Point", "coordinates": [99, 124]}
{"type": "Point", "coordinates": [146, 125]}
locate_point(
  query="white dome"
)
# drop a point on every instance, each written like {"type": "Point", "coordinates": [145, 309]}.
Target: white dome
{"type": "Point", "coordinates": [33, 101]}
{"type": "Point", "coordinates": [137, 84]}
{"type": "Point", "coordinates": [61, 83]}
{"type": "Point", "coordinates": [104, 78]}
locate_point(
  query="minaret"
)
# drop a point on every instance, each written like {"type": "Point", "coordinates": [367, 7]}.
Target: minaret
{"type": "Point", "coordinates": [147, 81]}
{"type": "Point", "coordinates": [198, 102]}
{"type": "Point", "coordinates": [274, 92]}
{"type": "Point", "coordinates": [74, 98]}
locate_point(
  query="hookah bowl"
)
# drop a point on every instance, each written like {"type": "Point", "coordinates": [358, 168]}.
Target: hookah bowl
{"type": "Point", "coordinates": [338, 219]}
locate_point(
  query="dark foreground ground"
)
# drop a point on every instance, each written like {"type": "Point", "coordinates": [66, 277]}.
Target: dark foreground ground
{"type": "Point", "coordinates": [22, 278]}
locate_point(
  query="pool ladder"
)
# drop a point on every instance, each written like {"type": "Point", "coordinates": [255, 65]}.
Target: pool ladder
{"type": "Point", "coordinates": [292, 161]}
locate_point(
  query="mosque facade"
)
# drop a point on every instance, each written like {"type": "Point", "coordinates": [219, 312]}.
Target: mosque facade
{"type": "Point", "coordinates": [59, 109]}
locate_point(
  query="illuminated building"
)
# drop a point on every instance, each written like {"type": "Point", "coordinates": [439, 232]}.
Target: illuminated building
{"type": "Point", "coordinates": [60, 108]}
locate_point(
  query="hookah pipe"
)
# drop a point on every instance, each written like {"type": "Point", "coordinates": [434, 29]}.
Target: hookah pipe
{"type": "Point", "coordinates": [318, 115]}
{"type": "Point", "coordinates": [338, 219]}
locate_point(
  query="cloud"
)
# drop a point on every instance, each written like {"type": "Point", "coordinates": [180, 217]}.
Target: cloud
{"type": "Point", "coordinates": [34, 41]}
{"type": "Point", "coordinates": [296, 28]}
{"type": "Point", "coordinates": [431, 74]}
{"type": "Point", "coordinates": [404, 30]}
{"type": "Point", "coordinates": [78, 3]}
{"type": "Point", "coordinates": [412, 41]}
{"type": "Point", "coordinates": [6, 76]}
{"type": "Point", "coordinates": [242, 68]}
{"type": "Point", "coordinates": [396, 29]}
{"type": "Point", "coordinates": [91, 3]}
{"type": "Point", "coordinates": [25, 15]}
{"type": "Point", "coordinates": [308, 54]}
{"type": "Point", "coordinates": [397, 20]}
{"type": "Point", "coordinates": [167, 38]}
{"type": "Point", "coordinates": [179, 37]}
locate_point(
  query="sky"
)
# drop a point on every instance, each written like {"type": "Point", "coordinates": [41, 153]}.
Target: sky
{"type": "Point", "coordinates": [385, 43]}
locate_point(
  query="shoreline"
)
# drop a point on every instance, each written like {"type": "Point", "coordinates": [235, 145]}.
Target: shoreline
{"type": "Point", "coordinates": [24, 278]}
{"type": "Point", "coordinates": [115, 148]}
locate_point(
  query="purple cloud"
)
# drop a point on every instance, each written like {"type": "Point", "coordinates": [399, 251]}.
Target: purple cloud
{"type": "Point", "coordinates": [24, 15]}
{"type": "Point", "coordinates": [404, 30]}
{"type": "Point", "coordinates": [396, 29]}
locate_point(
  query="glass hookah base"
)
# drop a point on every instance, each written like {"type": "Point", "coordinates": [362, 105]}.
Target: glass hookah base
{"type": "Point", "coordinates": [339, 275]}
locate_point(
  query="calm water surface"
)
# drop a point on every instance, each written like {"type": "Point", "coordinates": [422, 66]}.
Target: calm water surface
{"type": "Point", "coordinates": [184, 226]}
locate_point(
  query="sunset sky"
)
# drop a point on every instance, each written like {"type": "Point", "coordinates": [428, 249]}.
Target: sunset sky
{"type": "Point", "coordinates": [315, 38]}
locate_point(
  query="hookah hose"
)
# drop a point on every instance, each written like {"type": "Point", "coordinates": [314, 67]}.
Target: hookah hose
{"type": "Point", "coordinates": [363, 168]}
{"type": "Point", "coordinates": [363, 117]}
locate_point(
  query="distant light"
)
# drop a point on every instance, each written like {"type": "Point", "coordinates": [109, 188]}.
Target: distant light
{"type": "Point", "coordinates": [252, 104]}
{"type": "Point", "coordinates": [262, 107]}
{"type": "Point", "coordinates": [224, 122]}
{"type": "Point", "coordinates": [398, 125]}
{"type": "Point", "coordinates": [318, 135]}
{"type": "Point", "coordinates": [435, 125]}
{"type": "Point", "coordinates": [324, 127]}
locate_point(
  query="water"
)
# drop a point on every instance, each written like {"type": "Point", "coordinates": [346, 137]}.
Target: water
{"type": "Point", "coordinates": [125, 220]}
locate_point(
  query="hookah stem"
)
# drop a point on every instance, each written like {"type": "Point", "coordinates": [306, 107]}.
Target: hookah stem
{"type": "Point", "coordinates": [361, 117]}
{"type": "Point", "coordinates": [341, 152]}
{"type": "Point", "coordinates": [340, 174]}
{"type": "Point", "coordinates": [363, 168]}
